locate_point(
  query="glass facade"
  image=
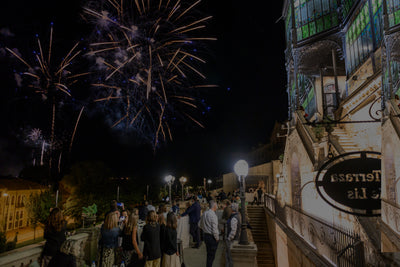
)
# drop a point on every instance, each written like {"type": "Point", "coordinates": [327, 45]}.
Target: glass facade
{"type": "Point", "coordinates": [314, 16]}
{"type": "Point", "coordinates": [393, 10]}
{"type": "Point", "coordinates": [288, 26]}
{"type": "Point", "coordinates": [377, 19]}
{"type": "Point", "coordinates": [307, 95]}
{"type": "Point", "coordinates": [347, 5]}
{"type": "Point", "coordinates": [362, 34]}
{"type": "Point", "coordinates": [359, 42]}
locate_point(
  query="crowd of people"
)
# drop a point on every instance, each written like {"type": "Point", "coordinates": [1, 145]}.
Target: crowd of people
{"type": "Point", "coordinates": [120, 235]}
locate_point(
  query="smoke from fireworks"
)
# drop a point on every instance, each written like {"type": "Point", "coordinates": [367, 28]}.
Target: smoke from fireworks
{"type": "Point", "coordinates": [147, 55]}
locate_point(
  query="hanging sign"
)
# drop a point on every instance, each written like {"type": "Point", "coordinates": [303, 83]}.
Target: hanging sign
{"type": "Point", "coordinates": [351, 182]}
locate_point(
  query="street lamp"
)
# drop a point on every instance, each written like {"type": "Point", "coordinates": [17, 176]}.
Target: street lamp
{"type": "Point", "coordinates": [241, 169]}
{"type": "Point", "coordinates": [209, 182]}
{"type": "Point", "coordinates": [183, 180]}
{"type": "Point", "coordinates": [170, 180]}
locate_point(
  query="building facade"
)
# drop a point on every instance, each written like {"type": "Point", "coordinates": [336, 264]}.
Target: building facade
{"type": "Point", "coordinates": [14, 193]}
{"type": "Point", "coordinates": [342, 63]}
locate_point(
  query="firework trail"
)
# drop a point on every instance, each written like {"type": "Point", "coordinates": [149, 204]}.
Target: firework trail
{"type": "Point", "coordinates": [52, 81]}
{"type": "Point", "coordinates": [146, 52]}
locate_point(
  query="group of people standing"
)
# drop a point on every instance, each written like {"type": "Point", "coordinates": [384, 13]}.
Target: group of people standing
{"type": "Point", "coordinates": [120, 235]}
{"type": "Point", "coordinates": [208, 224]}
{"type": "Point", "coordinates": [159, 237]}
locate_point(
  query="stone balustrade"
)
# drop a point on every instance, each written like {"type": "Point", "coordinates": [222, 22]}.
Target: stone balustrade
{"type": "Point", "coordinates": [86, 242]}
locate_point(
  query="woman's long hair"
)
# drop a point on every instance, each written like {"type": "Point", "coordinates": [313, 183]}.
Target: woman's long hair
{"type": "Point", "coordinates": [132, 222]}
{"type": "Point", "coordinates": [152, 217]}
{"type": "Point", "coordinates": [171, 220]}
{"type": "Point", "coordinates": [111, 221]}
{"type": "Point", "coordinates": [55, 221]}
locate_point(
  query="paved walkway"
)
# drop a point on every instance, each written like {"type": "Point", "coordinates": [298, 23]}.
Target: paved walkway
{"type": "Point", "coordinates": [197, 257]}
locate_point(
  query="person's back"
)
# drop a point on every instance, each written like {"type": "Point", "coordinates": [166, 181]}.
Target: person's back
{"type": "Point", "coordinates": [151, 239]}
{"type": "Point", "coordinates": [54, 234]}
{"type": "Point", "coordinates": [109, 237]}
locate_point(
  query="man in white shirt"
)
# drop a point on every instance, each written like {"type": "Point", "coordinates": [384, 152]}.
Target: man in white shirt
{"type": "Point", "coordinates": [209, 225]}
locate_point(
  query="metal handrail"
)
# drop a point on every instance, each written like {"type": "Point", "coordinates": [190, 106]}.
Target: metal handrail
{"type": "Point", "coordinates": [346, 247]}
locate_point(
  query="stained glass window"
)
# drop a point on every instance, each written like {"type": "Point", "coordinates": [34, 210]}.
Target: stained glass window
{"type": "Point", "coordinates": [394, 67]}
{"type": "Point", "coordinates": [347, 5]}
{"type": "Point", "coordinates": [377, 18]}
{"type": "Point", "coordinates": [314, 16]}
{"type": "Point", "coordinates": [288, 26]}
{"type": "Point", "coordinates": [307, 95]}
{"type": "Point", "coordinates": [393, 10]}
{"type": "Point", "coordinates": [359, 42]}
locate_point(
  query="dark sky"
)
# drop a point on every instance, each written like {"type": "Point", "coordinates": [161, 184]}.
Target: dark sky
{"type": "Point", "coordinates": [246, 62]}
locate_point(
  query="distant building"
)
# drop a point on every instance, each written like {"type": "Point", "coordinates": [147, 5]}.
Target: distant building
{"type": "Point", "coordinates": [14, 193]}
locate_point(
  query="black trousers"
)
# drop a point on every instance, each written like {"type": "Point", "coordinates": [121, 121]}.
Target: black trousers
{"type": "Point", "coordinates": [195, 232]}
{"type": "Point", "coordinates": [211, 245]}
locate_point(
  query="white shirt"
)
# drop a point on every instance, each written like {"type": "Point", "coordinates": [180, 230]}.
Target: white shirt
{"type": "Point", "coordinates": [209, 223]}
{"type": "Point", "coordinates": [151, 207]}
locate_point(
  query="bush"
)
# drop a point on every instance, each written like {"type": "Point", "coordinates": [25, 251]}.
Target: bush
{"type": "Point", "coordinates": [10, 245]}
{"type": "Point", "coordinates": [3, 241]}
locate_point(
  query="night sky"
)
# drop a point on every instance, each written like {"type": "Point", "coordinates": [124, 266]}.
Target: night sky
{"type": "Point", "coordinates": [246, 62]}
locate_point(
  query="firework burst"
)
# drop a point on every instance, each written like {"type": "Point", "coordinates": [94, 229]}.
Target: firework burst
{"type": "Point", "coordinates": [146, 52]}
{"type": "Point", "coordinates": [52, 81]}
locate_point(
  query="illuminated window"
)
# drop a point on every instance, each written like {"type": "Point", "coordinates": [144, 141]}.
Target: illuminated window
{"type": "Point", "coordinates": [314, 16]}
{"type": "Point", "coordinates": [393, 10]}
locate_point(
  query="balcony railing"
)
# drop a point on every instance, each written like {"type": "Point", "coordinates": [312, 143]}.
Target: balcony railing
{"type": "Point", "coordinates": [341, 247]}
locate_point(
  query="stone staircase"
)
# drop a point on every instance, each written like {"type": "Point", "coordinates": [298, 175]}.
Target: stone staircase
{"type": "Point", "coordinates": [344, 140]}
{"type": "Point", "coordinates": [265, 254]}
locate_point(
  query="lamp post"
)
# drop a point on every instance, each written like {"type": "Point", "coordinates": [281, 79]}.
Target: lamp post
{"type": "Point", "coordinates": [241, 169]}
{"type": "Point", "coordinates": [209, 182]}
{"type": "Point", "coordinates": [170, 180]}
{"type": "Point", "coordinates": [183, 180]}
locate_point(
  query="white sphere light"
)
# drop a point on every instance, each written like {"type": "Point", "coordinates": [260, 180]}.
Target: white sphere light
{"type": "Point", "coordinates": [241, 168]}
{"type": "Point", "coordinates": [169, 178]}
